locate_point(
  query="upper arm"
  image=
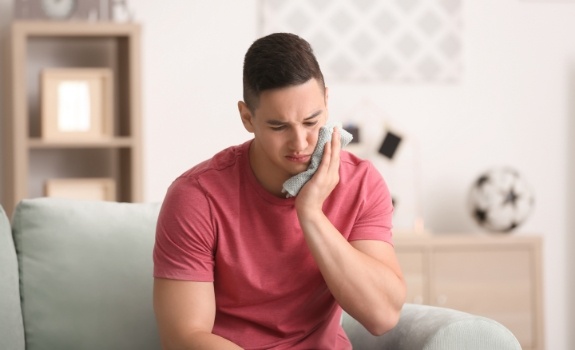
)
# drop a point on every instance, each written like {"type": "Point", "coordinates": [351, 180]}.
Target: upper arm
{"type": "Point", "coordinates": [183, 308]}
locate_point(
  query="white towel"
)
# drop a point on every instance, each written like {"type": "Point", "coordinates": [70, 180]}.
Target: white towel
{"type": "Point", "coordinates": [294, 184]}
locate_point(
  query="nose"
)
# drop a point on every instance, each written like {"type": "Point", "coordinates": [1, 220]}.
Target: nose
{"type": "Point", "coordinates": [299, 140]}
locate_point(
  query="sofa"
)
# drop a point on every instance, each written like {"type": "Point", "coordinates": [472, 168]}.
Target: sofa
{"type": "Point", "coordinates": [78, 275]}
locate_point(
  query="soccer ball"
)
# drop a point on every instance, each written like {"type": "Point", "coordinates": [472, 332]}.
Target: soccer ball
{"type": "Point", "coordinates": [500, 200]}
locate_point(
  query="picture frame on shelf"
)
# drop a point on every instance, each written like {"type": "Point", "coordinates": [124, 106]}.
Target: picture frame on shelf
{"type": "Point", "coordinates": [99, 189]}
{"type": "Point", "coordinates": [77, 104]}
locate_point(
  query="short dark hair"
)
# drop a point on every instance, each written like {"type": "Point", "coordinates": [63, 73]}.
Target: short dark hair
{"type": "Point", "coordinates": [275, 61]}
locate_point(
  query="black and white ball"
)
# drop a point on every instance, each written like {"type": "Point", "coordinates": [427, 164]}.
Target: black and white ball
{"type": "Point", "coordinates": [500, 200]}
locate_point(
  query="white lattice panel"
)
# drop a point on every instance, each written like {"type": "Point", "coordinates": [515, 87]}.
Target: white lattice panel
{"type": "Point", "coordinates": [375, 40]}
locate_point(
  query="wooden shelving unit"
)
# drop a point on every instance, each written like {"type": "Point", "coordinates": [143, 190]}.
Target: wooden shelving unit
{"type": "Point", "coordinates": [26, 152]}
{"type": "Point", "coordinates": [499, 277]}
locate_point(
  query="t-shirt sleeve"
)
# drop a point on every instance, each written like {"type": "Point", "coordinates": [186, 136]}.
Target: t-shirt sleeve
{"type": "Point", "coordinates": [374, 220]}
{"type": "Point", "coordinates": [185, 236]}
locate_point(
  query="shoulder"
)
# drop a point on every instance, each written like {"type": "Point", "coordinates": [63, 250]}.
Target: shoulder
{"type": "Point", "coordinates": [210, 175]}
{"type": "Point", "coordinates": [360, 206]}
{"type": "Point", "coordinates": [351, 160]}
{"type": "Point", "coordinates": [360, 179]}
{"type": "Point", "coordinates": [219, 162]}
{"type": "Point", "coordinates": [220, 165]}
{"type": "Point", "coordinates": [357, 170]}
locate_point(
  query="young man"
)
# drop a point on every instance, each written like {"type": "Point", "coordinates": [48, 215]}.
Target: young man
{"type": "Point", "coordinates": [239, 265]}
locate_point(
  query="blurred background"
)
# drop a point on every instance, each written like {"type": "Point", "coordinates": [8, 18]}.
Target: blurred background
{"type": "Point", "coordinates": [499, 90]}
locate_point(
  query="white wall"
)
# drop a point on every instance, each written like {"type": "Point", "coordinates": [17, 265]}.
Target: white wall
{"type": "Point", "coordinates": [513, 106]}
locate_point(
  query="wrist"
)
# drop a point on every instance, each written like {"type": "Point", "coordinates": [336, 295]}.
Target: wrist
{"type": "Point", "coordinates": [309, 213]}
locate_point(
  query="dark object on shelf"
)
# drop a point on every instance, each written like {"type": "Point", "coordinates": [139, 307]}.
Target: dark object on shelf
{"type": "Point", "coordinates": [389, 145]}
{"type": "Point", "coordinates": [354, 131]}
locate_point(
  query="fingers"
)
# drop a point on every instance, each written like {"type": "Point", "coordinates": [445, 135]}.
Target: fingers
{"type": "Point", "coordinates": [331, 154]}
{"type": "Point", "coordinates": [336, 137]}
{"type": "Point", "coordinates": [326, 158]}
{"type": "Point", "coordinates": [336, 148]}
{"type": "Point", "coordinates": [330, 160]}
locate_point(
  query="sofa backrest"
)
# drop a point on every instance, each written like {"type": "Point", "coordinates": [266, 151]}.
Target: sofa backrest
{"type": "Point", "coordinates": [86, 273]}
{"type": "Point", "coordinates": [11, 331]}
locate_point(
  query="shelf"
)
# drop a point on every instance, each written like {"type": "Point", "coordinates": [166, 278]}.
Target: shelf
{"type": "Point", "coordinates": [74, 29]}
{"type": "Point", "coordinates": [28, 160]}
{"type": "Point", "coordinates": [117, 142]}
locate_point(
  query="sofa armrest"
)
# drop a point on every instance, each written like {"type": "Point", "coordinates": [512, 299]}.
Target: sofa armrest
{"type": "Point", "coordinates": [11, 324]}
{"type": "Point", "coordinates": [434, 328]}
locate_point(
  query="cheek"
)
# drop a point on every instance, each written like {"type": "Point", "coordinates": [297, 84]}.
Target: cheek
{"type": "Point", "coordinates": [272, 140]}
{"type": "Point", "coordinates": [313, 136]}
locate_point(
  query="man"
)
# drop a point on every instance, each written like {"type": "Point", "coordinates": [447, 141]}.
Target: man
{"type": "Point", "coordinates": [239, 265]}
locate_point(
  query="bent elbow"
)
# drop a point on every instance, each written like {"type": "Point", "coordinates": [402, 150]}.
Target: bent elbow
{"type": "Point", "coordinates": [384, 323]}
{"type": "Point", "coordinates": [388, 317]}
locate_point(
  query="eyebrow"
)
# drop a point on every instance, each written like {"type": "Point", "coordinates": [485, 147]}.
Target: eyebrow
{"type": "Point", "coordinates": [279, 122]}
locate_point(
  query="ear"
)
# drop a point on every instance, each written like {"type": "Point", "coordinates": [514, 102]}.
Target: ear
{"type": "Point", "coordinates": [326, 97]}
{"type": "Point", "coordinates": [246, 116]}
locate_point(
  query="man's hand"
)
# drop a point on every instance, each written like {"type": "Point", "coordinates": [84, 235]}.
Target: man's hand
{"type": "Point", "coordinates": [318, 188]}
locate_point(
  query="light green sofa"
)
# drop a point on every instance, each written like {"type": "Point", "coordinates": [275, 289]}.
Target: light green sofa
{"type": "Point", "coordinates": [78, 275]}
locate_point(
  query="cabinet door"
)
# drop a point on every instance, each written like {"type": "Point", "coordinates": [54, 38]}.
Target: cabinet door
{"type": "Point", "coordinates": [412, 263]}
{"type": "Point", "coordinates": [495, 282]}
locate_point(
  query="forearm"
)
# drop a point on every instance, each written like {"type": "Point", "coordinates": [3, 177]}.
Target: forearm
{"type": "Point", "coordinates": [185, 313]}
{"type": "Point", "coordinates": [364, 286]}
{"type": "Point", "coordinates": [200, 341]}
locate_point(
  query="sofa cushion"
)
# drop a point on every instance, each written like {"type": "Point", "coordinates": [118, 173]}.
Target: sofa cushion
{"type": "Point", "coordinates": [11, 328]}
{"type": "Point", "coordinates": [427, 327]}
{"type": "Point", "coordinates": [86, 273]}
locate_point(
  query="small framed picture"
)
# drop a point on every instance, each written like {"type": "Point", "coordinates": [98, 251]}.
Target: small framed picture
{"type": "Point", "coordinates": [100, 189]}
{"type": "Point", "coordinates": [76, 104]}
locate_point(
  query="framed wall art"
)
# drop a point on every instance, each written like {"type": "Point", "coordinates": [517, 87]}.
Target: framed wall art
{"type": "Point", "coordinates": [76, 104]}
{"type": "Point", "coordinates": [375, 41]}
{"type": "Point", "coordinates": [101, 189]}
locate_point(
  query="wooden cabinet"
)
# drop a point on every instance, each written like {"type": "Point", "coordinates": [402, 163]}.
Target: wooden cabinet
{"type": "Point", "coordinates": [28, 159]}
{"type": "Point", "coordinates": [494, 276]}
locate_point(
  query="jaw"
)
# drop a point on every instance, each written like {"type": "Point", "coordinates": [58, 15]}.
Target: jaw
{"type": "Point", "coordinates": [270, 172]}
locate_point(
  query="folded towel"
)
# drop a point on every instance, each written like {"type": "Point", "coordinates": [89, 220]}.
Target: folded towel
{"type": "Point", "coordinates": [294, 184]}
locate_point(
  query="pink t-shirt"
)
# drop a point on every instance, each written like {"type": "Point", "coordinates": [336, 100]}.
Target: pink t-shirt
{"type": "Point", "coordinates": [218, 224]}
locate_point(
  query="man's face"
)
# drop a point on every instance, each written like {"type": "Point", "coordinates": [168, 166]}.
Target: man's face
{"type": "Point", "coordinates": [285, 125]}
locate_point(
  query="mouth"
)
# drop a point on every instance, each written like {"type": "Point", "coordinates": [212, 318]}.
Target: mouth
{"type": "Point", "coordinates": [301, 159]}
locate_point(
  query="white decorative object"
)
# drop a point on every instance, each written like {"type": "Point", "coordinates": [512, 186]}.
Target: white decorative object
{"type": "Point", "coordinates": [369, 40]}
{"type": "Point", "coordinates": [500, 199]}
{"type": "Point", "coordinates": [121, 12]}
{"type": "Point", "coordinates": [61, 10]}
{"type": "Point", "coordinates": [58, 9]}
